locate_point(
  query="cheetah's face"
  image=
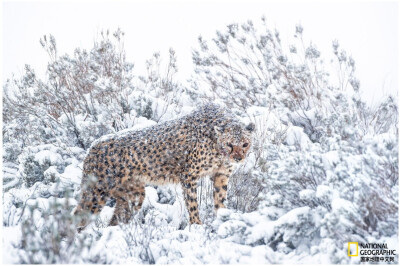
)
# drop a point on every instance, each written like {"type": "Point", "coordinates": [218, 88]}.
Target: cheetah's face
{"type": "Point", "coordinates": [234, 141]}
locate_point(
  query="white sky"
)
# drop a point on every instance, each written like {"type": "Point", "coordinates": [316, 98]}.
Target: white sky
{"type": "Point", "coordinates": [367, 30]}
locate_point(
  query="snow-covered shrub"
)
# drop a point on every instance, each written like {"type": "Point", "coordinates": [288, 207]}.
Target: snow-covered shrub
{"type": "Point", "coordinates": [348, 181]}
{"type": "Point", "coordinates": [11, 177]}
{"type": "Point", "coordinates": [41, 164]}
{"type": "Point", "coordinates": [166, 194]}
{"type": "Point", "coordinates": [77, 93]}
{"type": "Point", "coordinates": [88, 95]}
{"type": "Point", "coordinates": [26, 115]}
{"type": "Point", "coordinates": [160, 90]}
{"type": "Point", "coordinates": [323, 152]}
{"type": "Point", "coordinates": [142, 106]}
{"type": "Point", "coordinates": [11, 151]}
{"type": "Point", "coordinates": [139, 236]}
{"type": "Point", "coordinates": [49, 236]}
{"type": "Point", "coordinates": [89, 131]}
{"type": "Point", "coordinates": [244, 190]}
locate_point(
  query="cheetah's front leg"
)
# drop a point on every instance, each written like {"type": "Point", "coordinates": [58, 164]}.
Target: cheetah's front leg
{"type": "Point", "coordinates": [92, 201]}
{"type": "Point", "coordinates": [221, 179]}
{"type": "Point", "coordinates": [190, 193]}
{"type": "Point", "coordinates": [129, 198]}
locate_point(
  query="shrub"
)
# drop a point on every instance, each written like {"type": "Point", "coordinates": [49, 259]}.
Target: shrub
{"type": "Point", "coordinates": [35, 161]}
{"type": "Point", "coordinates": [50, 236]}
{"type": "Point", "coordinates": [323, 149]}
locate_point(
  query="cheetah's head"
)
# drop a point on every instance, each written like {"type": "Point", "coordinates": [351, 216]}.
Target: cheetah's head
{"type": "Point", "coordinates": [234, 140]}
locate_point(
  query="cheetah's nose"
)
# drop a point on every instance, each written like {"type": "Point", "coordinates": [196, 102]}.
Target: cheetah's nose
{"type": "Point", "coordinates": [237, 158]}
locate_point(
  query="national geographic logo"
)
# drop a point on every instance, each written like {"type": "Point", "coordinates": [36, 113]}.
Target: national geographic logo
{"type": "Point", "coordinates": [352, 249]}
{"type": "Point", "coordinates": [371, 252]}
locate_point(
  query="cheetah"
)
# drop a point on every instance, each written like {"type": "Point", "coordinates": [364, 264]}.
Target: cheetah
{"type": "Point", "coordinates": [207, 142]}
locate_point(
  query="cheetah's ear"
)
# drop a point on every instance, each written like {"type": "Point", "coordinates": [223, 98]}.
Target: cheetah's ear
{"type": "Point", "coordinates": [250, 127]}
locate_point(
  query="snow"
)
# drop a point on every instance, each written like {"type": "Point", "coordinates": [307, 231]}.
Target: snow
{"type": "Point", "coordinates": [11, 238]}
{"type": "Point", "coordinates": [72, 173]}
{"type": "Point", "coordinates": [330, 159]}
{"type": "Point", "coordinates": [339, 204]}
{"type": "Point", "coordinates": [175, 212]}
{"type": "Point", "coordinates": [48, 156]}
{"type": "Point", "coordinates": [296, 136]}
{"type": "Point", "coordinates": [323, 191]}
{"type": "Point", "coordinates": [141, 122]}
{"type": "Point", "coordinates": [307, 194]}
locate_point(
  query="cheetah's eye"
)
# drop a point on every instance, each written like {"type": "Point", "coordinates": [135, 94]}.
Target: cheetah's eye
{"type": "Point", "coordinates": [245, 145]}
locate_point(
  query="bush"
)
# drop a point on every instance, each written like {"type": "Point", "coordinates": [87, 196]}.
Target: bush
{"type": "Point", "coordinates": [50, 237]}
{"type": "Point", "coordinates": [36, 161]}
{"type": "Point", "coordinates": [11, 151]}
{"type": "Point", "coordinates": [318, 146]}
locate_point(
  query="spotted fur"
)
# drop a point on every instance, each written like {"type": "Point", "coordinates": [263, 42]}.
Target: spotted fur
{"type": "Point", "coordinates": [205, 142]}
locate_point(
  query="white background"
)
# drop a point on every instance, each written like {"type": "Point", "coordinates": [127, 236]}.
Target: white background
{"type": "Point", "coordinates": [367, 30]}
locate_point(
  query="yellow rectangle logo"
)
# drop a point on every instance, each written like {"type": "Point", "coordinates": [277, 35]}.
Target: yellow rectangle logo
{"type": "Point", "coordinates": [352, 249]}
